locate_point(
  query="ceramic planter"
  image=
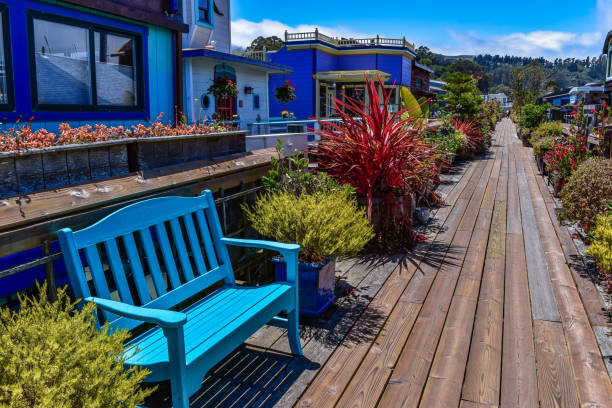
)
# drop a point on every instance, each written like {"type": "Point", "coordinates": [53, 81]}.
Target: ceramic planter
{"type": "Point", "coordinates": [316, 284]}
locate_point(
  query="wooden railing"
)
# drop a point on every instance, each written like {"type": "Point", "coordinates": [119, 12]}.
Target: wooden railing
{"type": "Point", "coordinates": [348, 42]}
{"type": "Point", "coordinates": [255, 55]}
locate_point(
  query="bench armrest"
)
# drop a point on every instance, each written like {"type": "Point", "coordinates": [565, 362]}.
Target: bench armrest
{"type": "Point", "coordinates": [163, 318]}
{"type": "Point", "coordinates": [288, 251]}
{"type": "Point", "coordinates": [256, 243]}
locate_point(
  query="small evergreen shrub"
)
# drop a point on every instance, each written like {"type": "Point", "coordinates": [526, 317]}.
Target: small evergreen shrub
{"type": "Point", "coordinates": [54, 356]}
{"type": "Point", "coordinates": [323, 223]}
{"type": "Point", "coordinates": [601, 248]}
{"type": "Point", "coordinates": [588, 192]}
{"type": "Point", "coordinates": [448, 141]}
{"type": "Point", "coordinates": [546, 129]}
{"type": "Point", "coordinates": [532, 115]}
{"type": "Point", "coordinates": [543, 145]}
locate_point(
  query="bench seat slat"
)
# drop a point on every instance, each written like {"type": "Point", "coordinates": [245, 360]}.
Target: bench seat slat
{"type": "Point", "coordinates": [152, 261]}
{"type": "Point", "coordinates": [194, 244]}
{"type": "Point", "coordinates": [181, 249]}
{"type": "Point", "coordinates": [167, 254]}
{"type": "Point", "coordinates": [176, 296]}
{"type": "Point", "coordinates": [97, 274]}
{"type": "Point", "coordinates": [245, 304]}
{"type": "Point", "coordinates": [136, 267]}
{"type": "Point", "coordinates": [118, 272]}
{"type": "Point", "coordinates": [208, 245]}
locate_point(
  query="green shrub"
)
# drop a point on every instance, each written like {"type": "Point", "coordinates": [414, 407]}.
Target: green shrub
{"type": "Point", "coordinates": [547, 129]}
{"type": "Point", "coordinates": [449, 141]}
{"type": "Point", "coordinates": [292, 174]}
{"type": "Point", "coordinates": [601, 248]}
{"type": "Point", "coordinates": [543, 145]}
{"type": "Point", "coordinates": [588, 192]}
{"type": "Point", "coordinates": [323, 223]}
{"type": "Point", "coordinates": [532, 115]}
{"type": "Point", "coordinates": [54, 356]}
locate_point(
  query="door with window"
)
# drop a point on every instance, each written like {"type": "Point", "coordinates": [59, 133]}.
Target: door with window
{"type": "Point", "coordinates": [225, 104]}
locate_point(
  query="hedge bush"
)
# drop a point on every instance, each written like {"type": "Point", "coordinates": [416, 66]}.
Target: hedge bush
{"type": "Point", "coordinates": [601, 248]}
{"type": "Point", "coordinates": [323, 223]}
{"type": "Point", "coordinates": [54, 356]}
{"type": "Point", "coordinates": [543, 145]}
{"type": "Point", "coordinates": [588, 192]}
{"type": "Point", "coordinates": [546, 129]}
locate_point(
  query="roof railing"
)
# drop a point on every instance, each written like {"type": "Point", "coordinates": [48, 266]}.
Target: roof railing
{"type": "Point", "coordinates": [348, 42]}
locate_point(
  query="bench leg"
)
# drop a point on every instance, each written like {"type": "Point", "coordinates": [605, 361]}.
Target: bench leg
{"type": "Point", "coordinates": [178, 370]}
{"type": "Point", "coordinates": [294, 332]}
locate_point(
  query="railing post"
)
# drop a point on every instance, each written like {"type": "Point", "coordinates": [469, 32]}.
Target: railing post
{"type": "Point", "coordinates": [50, 273]}
{"type": "Point", "coordinates": [317, 33]}
{"type": "Point", "coordinates": [286, 35]}
{"type": "Point", "coordinates": [403, 41]}
{"type": "Point", "coordinates": [377, 39]}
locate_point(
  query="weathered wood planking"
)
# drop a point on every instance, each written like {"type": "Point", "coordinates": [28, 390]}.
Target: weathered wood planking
{"type": "Point", "coordinates": [555, 381]}
{"type": "Point", "coordinates": [592, 380]}
{"type": "Point", "coordinates": [410, 374]}
{"type": "Point", "coordinates": [543, 302]}
{"type": "Point", "coordinates": [518, 378]}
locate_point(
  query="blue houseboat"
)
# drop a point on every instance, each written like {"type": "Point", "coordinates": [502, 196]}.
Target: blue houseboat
{"type": "Point", "coordinates": [326, 67]}
{"type": "Point", "coordinates": [86, 61]}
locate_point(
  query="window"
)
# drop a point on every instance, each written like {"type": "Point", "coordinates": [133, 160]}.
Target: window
{"type": "Point", "coordinates": [83, 67]}
{"type": "Point", "coordinates": [609, 65]}
{"type": "Point", "coordinates": [255, 101]}
{"type": "Point", "coordinates": [6, 77]}
{"type": "Point", "coordinates": [419, 83]}
{"type": "Point", "coordinates": [204, 11]}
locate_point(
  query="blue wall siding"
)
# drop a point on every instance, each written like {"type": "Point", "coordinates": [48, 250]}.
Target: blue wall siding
{"type": "Point", "coordinates": [157, 70]}
{"type": "Point", "coordinates": [351, 62]}
{"type": "Point", "coordinates": [406, 71]}
{"type": "Point", "coordinates": [302, 62]}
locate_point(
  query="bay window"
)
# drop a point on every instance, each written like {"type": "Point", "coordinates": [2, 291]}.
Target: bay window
{"type": "Point", "coordinates": [80, 66]}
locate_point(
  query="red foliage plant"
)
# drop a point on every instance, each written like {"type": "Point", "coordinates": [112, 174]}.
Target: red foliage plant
{"type": "Point", "coordinates": [474, 140]}
{"type": "Point", "coordinates": [382, 155]}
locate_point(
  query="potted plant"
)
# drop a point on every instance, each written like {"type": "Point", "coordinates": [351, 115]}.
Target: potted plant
{"type": "Point", "coordinates": [223, 87]}
{"type": "Point", "coordinates": [285, 93]}
{"type": "Point", "coordinates": [385, 157]}
{"type": "Point", "coordinates": [327, 224]}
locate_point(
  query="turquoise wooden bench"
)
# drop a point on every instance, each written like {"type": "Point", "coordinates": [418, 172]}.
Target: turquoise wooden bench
{"type": "Point", "coordinates": [141, 286]}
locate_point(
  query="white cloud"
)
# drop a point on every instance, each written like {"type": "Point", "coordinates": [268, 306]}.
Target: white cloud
{"type": "Point", "coordinates": [604, 15]}
{"type": "Point", "coordinates": [548, 44]}
{"type": "Point", "coordinates": [245, 31]}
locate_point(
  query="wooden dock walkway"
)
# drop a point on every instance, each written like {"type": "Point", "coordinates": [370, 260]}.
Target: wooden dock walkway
{"type": "Point", "coordinates": [489, 312]}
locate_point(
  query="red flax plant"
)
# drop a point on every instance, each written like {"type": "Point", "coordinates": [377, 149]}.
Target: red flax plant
{"type": "Point", "coordinates": [383, 156]}
{"type": "Point", "coordinates": [474, 141]}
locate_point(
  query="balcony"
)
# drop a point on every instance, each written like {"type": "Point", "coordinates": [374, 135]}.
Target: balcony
{"type": "Point", "coordinates": [377, 41]}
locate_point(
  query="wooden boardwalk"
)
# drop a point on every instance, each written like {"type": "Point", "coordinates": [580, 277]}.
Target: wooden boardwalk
{"type": "Point", "coordinates": [489, 312]}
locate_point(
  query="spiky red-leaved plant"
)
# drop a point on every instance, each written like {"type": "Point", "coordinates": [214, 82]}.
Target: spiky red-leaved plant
{"type": "Point", "coordinates": [374, 150]}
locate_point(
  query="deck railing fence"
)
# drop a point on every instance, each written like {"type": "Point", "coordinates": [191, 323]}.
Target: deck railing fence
{"type": "Point", "coordinates": [348, 42]}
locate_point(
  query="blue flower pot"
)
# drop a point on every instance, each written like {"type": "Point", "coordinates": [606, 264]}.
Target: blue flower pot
{"type": "Point", "coordinates": [316, 284]}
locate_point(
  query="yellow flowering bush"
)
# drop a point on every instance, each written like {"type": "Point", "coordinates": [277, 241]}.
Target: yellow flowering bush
{"type": "Point", "coordinates": [601, 248]}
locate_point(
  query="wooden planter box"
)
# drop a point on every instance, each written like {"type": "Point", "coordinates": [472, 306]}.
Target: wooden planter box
{"type": "Point", "coordinates": [153, 152]}
{"type": "Point", "coordinates": [54, 167]}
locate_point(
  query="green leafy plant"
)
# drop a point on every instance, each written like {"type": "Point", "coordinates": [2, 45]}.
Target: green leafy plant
{"type": "Point", "coordinates": [223, 87]}
{"type": "Point", "coordinates": [53, 355]}
{"type": "Point", "coordinates": [292, 174]}
{"type": "Point", "coordinates": [448, 141]}
{"type": "Point", "coordinates": [462, 96]}
{"type": "Point", "coordinates": [285, 93]}
{"type": "Point", "coordinates": [532, 115]}
{"type": "Point", "coordinates": [588, 192]}
{"type": "Point", "coordinates": [601, 247]}
{"type": "Point", "coordinates": [542, 146]}
{"type": "Point", "coordinates": [323, 223]}
{"type": "Point", "coordinates": [412, 107]}
{"type": "Point", "coordinates": [546, 129]}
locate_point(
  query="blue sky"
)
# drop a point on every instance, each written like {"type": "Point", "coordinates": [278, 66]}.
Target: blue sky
{"type": "Point", "coordinates": [530, 28]}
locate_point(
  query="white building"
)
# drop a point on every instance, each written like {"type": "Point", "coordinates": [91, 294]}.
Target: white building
{"type": "Point", "coordinates": [206, 56]}
{"type": "Point", "coordinates": [502, 98]}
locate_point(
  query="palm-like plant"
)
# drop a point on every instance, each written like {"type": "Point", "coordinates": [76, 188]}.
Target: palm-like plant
{"type": "Point", "coordinates": [382, 154]}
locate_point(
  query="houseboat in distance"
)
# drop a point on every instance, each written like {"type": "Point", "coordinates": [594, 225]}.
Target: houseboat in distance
{"type": "Point", "coordinates": [325, 68]}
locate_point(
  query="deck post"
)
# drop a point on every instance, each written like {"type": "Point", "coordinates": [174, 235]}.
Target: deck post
{"type": "Point", "coordinates": [317, 33]}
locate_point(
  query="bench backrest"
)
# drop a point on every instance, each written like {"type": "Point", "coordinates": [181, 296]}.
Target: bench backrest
{"type": "Point", "coordinates": [156, 253]}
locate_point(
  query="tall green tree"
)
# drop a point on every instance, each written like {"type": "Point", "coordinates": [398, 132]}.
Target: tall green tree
{"type": "Point", "coordinates": [529, 83]}
{"type": "Point", "coordinates": [269, 43]}
{"type": "Point", "coordinates": [462, 96]}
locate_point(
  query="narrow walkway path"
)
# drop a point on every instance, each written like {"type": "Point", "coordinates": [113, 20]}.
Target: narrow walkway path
{"type": "Point", "coordinates": [497, 321]}
{"type": "Point", "coordinates": [486, 313]}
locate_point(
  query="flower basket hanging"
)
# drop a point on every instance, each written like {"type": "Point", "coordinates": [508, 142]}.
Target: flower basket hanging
{"type": "Point", "coordinates": [223, 87]}
{"type": "Point", "coordinates": [285, 93]}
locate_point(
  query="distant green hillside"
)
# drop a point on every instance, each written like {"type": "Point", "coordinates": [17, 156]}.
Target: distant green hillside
{"type": "Point", "coordinates": [494, 70]}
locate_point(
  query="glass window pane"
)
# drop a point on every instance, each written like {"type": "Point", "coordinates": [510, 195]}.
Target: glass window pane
{"type": "Point", "coordinates": [203, 11]}
{"type": "Point", "coordinates": [62, 63]}
{"type": "Point", "coordinates": [3, 67]}
{"type": "Point", "coordinates": [115, 70]}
